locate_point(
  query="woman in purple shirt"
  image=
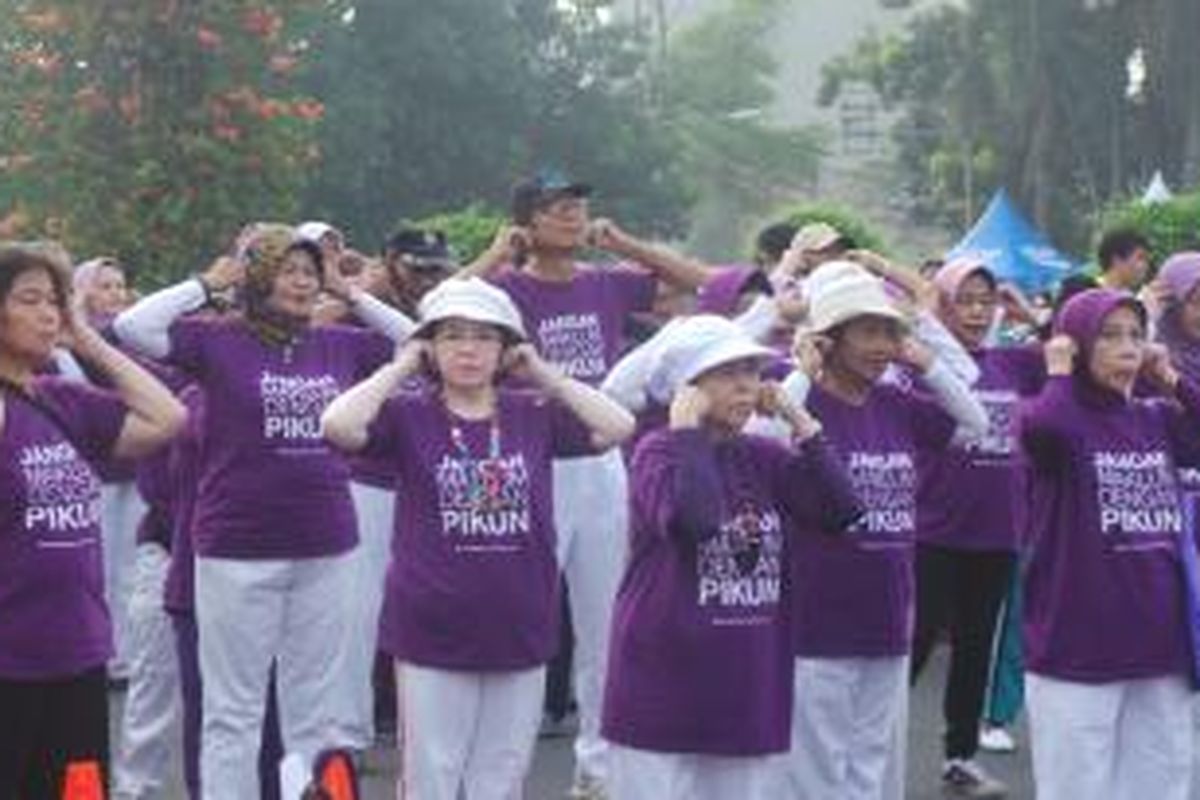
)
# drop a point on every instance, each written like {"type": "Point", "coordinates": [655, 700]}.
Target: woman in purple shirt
{"type": "Point", "coordinates": [471, 604]}
{"type": "Point", "coordinates": [967, 539]}
{"type": "Point", "coordinates": [699, 689]}
{"type": "Point", "coordinates": [1107, 649]}
{"type": "Point", "coordinates": [55, 635]}
{"type": "Point", "coordinates": [273, 523]}
{"type": "Point", "coordinates": [853, 605]}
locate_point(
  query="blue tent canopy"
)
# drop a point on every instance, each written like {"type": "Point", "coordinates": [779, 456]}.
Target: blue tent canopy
{"type": "Point", "coordinates": [1014, 249]}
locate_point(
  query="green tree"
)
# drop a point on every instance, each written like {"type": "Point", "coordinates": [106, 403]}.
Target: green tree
{"type": "Point", "coordinates": [1036, 95]}
{"type": "Point", "coordinates": [438, 105]}
{"type": "Point", "coordinates": [152, 130]}
{"type": "Point", "coordinates": [715, 89]}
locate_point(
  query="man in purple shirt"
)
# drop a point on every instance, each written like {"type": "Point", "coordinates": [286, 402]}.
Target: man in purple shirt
{"type": "Point", "coordinates": [576, 315]}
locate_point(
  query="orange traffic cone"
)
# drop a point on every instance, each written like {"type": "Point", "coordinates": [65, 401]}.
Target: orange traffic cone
{"type": "Point", "coordinates": [83, 782]}
{"type": "Point", "coordinates": [336, 777]}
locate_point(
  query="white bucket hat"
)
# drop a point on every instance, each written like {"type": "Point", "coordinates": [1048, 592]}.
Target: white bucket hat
{"type": "Point", "coordinates": [839, 291]}
{"type": "Point", "coordinates": [697, 344]}
{"type": "Point", "coordinates": [471, 299]}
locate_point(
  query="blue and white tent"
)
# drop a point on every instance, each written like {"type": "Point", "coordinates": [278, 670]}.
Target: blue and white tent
{"type": "Point", "coordinates": [1016, 251]}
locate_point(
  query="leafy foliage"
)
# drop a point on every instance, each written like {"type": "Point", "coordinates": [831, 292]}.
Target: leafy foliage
{"type": "Point", "coordinates": [152, 130]}
{"type": "Point", "coordinates": [1171, 227]}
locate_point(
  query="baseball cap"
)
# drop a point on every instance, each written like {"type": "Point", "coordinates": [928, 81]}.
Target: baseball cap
{"type": "Point", "coordinates": [539, 191]}
{"type": "Point", "coordinates": [421, 248]}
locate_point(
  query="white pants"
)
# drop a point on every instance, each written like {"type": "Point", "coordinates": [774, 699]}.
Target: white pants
{"type": "Point", "coordinates": [591, 516]}
{"type": "Point", "coordinates": [1195, 793]}
{"type": "Point", "coordinates": [1127, 740]}
{"type": "Point", "coordinates": [149, 726]}
{"type": "Point", "coordinates": [355, 692]}
{"type": "Point", "coordinates": [250, 614]}
{"type": "Point", "coordinates": [468, 731]}
{"type": "Point", "coordinates": [122, 509]}
{"type": "Point", "coordinates": [844, 727]}
{"type": "Point", "coordinates": [646, 775]}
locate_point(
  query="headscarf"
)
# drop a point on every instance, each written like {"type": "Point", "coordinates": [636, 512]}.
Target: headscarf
{"type": "Point", "coordinates": [721, 292]}
{"type": "Point", "coordinates": [1180, 275]}
{"type": "Point", "coordinates": [1082, 318]}
{"type": "Point", "coordinates": [265, 251]}
{"type": "Point", "coordinates": [85, 277]}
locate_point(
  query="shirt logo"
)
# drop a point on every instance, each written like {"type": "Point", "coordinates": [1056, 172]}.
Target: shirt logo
{"type": "Point", "coordinates": [485, 501]}
{"type": "Point", "coordinates": [1138, 496]}
{"type": "Point", "coordinates": [292, 405]}
{"type": "Point", "coordinates": [886, 485]}
{"type": "Point", "coordinates": [62, 495]}
{"type": "Point", "coordinates": [740, 566]}
{"type": "Point", "coordinates": [575, 344]}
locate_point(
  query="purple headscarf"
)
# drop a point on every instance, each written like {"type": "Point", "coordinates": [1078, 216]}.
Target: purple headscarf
{"type": "Point", "coordinates": [1180, 275]}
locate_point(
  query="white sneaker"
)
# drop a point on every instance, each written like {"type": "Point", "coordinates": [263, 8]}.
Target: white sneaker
{"type": "Point", "coordinates": [586, 787]}
{"type": "Point", "coordinates": [996, 739]}
{"type": "Point", "coordinates": [967, 778]}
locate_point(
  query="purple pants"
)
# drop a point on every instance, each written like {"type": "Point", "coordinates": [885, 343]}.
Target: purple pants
{"type": "Point", "coordinates": [270, 750]}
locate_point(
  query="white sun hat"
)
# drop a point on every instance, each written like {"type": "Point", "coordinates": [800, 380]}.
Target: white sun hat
{"type": "Point", "coordinates": [472, 299]}
{"type": "Point", "coordinates": [839, 291]}
{"type": "Point", "coordinates": [697, 344]}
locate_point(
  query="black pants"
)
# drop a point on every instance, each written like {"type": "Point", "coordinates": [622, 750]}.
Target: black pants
{"type": "Point", "coordinates": [46, 725]}
{"type": "Point", "coordinates": [558, 672]}
{"type": "Point", "coordinates": [960, 591]}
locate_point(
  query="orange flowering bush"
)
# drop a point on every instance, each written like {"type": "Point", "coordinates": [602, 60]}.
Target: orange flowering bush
{"type": "Point", "coordinates": [154, 128]}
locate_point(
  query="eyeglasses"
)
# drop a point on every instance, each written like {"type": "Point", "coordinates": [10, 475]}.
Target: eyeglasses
{"type": "Point", "coordinates": [462, 334]}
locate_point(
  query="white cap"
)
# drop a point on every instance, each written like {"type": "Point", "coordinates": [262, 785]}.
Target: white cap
{"type": "Point", "coordinates": [838, 291]}
{"type": "Point", "coordinates": [315, 231]}
{"type": "Point", "coordinates": [472, 299]}
{"type": "Point", "coordinates": [697, 344]}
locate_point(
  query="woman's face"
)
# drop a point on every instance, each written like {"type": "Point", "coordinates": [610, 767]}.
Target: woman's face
{"type": "Point", "coordinates": [562, 225]}
{"type": "Point", "coordinates": [865, 347]}
{"type": "Point", "coordinates": [970, 313]}
{"type": "Point", "coordinates": [31, 318]}
{"type": "Point", "coordinates": [108, 295]}
{"type": "Point", "coordinates": [1189, 314]}
{"type": "Point", "coordinates": [733, 391]}
{"type": "Point", "coordinates": [1117, 354]}
{"type": "Point", "coordinates": [296, 287]}
{"type": "Point", "coordinates": [467, 354]}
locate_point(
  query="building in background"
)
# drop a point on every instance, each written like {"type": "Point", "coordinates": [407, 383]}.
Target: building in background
{"type": "Point", "coordinates": [809, 34]}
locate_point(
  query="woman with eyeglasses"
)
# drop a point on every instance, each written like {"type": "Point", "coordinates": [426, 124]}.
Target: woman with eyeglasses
{"type": "Point", "coordinates": [471, 605]}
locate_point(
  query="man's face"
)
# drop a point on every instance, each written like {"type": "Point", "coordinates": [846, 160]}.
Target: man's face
{"type": "Point", "coordinates": [561, 224]}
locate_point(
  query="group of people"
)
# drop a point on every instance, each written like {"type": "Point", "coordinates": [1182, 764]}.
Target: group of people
{"type": "Point", "coordinates": [768, 491]}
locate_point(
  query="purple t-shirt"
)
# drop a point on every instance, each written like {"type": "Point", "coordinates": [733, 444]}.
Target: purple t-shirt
{"type": "Point", "coordinates": [53, 619]}
{"type": "Point", "coordinates": [1104, 593]}
{"type": "Point", "coordinates": [965, 494]}
{"type": "Point", "coordinates": [270, 486]}
{"type": "Point", "coordinates": [578, 324]}
{"type": "Point", "coordinates": [473, 581]}
{"type": "Point", "coordinates": [700, 659]}
{"type": "Point", "coordinates": [183, 469]}
{"type": "Point", "coordinates": [854, 594]}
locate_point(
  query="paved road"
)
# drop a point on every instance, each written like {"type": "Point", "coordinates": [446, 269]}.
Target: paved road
{"type": "Point", "coordinates": [552, 765]}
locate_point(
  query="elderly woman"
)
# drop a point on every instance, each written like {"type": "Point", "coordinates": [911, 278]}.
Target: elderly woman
{"type": "Point", "coordinates": [471, 606]}
{"type": "Point", "coordinates": [700, 662]}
